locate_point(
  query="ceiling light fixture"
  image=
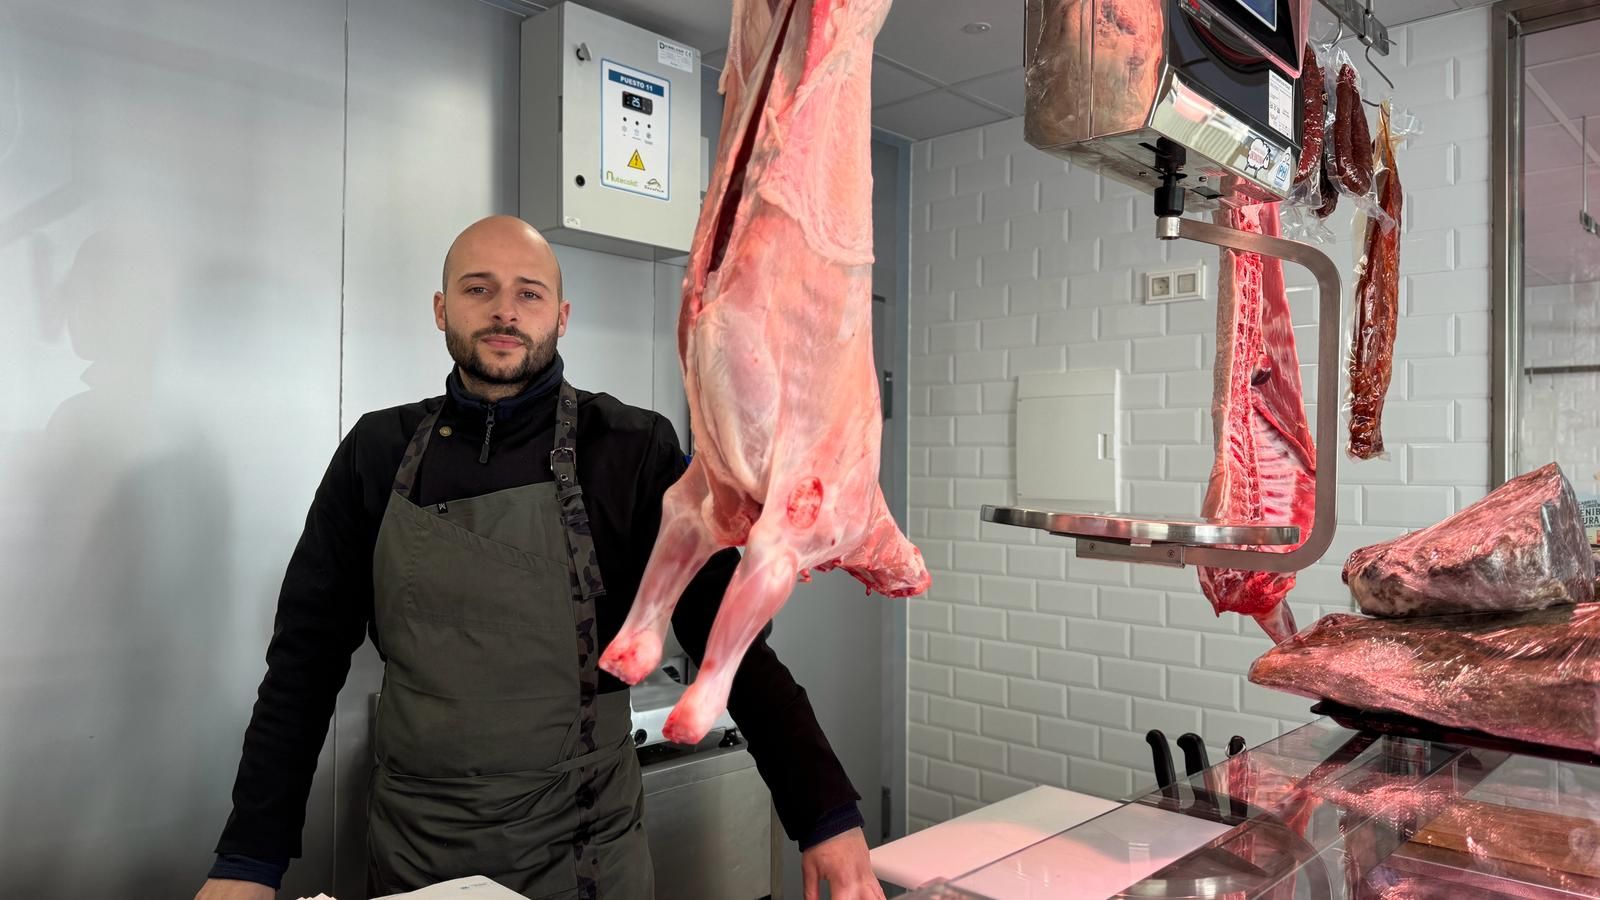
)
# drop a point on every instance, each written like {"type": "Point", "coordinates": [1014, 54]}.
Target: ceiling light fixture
{"type": "Point", "coordinates": [975, 27]}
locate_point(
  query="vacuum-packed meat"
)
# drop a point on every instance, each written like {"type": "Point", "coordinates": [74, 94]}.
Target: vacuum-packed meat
{"type": "Point", "coordinates": [1352, 141]}
{"type": "Point", "coordinates": [1265, 465]}
{"type": "Point", "coordinates": [1530, 676]}
{"type": "Point", "coordinates": [1314, 112]}
{"type": "Point", "coordinates": [775, 341]}
{"type": "Point", "coordinates": [1066, 83]}
{"type": "Point", "coordinates": [1330, 194]}
{"type": "Point", "coordinates": [1377, 308]}
{"type": "Point", "coordinates": [1521, 547]}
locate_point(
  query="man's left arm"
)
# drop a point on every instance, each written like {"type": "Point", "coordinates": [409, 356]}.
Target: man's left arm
{"type": "Point", "coordinates": [815, 801]}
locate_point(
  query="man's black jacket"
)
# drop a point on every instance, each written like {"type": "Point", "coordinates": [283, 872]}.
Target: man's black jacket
{"type": "Point", "coordinates": [627, 458]}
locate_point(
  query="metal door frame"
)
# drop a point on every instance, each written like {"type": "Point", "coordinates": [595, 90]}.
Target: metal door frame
{"type": "Point", "coordinates": [1509, 22]}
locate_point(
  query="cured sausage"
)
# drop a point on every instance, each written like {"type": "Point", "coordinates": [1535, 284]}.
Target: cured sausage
{"type": "Point", "coordinates": [1377, 309]}
{"type": "Point", "coordinates": [1314, 115]}
{"type": "Point", "coordinates": [1352, 142]}
{"type": "Point", "coordinates": [1330, 194]}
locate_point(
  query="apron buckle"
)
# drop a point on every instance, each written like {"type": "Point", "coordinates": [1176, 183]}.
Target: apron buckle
{"type": "Point", "coordinates": [560, 458]}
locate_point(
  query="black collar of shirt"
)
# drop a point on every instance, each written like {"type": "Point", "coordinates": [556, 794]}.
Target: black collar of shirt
{"type": "Point", "coordinates": [533, 406]}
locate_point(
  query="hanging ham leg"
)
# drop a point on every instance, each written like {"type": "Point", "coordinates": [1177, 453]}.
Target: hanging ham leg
{"type": "Point", "coordinates": [1265, 468]}
{"type": "Point", "coordinates": [775, 339]}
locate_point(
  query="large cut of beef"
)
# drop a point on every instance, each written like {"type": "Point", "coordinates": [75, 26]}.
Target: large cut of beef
{"type": "Point", "coordinates": [1265, 466]}
{"type": "Point", "coordinates": [1521, 547]}
{"type": "Point", "coordinates": [775, 340]}
{"type": "Point", "coordinates": [1529, 676]}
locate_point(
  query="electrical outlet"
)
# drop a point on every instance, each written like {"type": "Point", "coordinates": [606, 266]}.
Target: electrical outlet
{"type": "Point", "coordinates": [1171, 285]}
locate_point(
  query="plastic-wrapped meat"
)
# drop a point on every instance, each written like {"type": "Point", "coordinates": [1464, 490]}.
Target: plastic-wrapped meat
{"type": "Point", "coordinates": [1377, 308]}
{"type": "Point", "coordinates": [1120, 75]}
{"type": "Point", "coordinates": [1352, 142]}
{"type": "Point", "coordinates": [1265, 466]}
{"type": "Point", "coordinates": [1314, 114]}
{"type": "Point", "coordinates": [1521, 547]}
{"type": "Point", "coordinates": [1528, 676]}
{"type": "Point", "coordinates": [1330, 194]}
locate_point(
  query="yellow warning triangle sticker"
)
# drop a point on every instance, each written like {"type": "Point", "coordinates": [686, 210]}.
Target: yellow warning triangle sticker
{"type": "Point", "coordinates": [635, 162]}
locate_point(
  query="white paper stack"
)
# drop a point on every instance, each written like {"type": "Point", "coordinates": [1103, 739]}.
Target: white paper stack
{"type": "Point", "coordinates": [475, 887]}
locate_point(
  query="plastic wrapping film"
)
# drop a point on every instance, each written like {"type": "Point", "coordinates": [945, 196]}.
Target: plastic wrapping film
{"type": "Point", "coordinates": [1311, 198]}
{"type": "Point", "coordinates": [1350, 158]}
{"type": "Point", "coordinates": [1410, 821]}
{"type": "Point", "coordinates": [1521, 547]}
{"type": "Point", "coordinates": [1093, 68]}
{"type": "Point", "coordinates": [1528, 676]}
{"type": "Point", "coordinates": [1375, 314]}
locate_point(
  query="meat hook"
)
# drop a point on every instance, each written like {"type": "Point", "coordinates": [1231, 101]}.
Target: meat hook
{"type": "Point", "coordinates": [1385, 78]}
{"type": "Point", "coordinates": [1368, 54]}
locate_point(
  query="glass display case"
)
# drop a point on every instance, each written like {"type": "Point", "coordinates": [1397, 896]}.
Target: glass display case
{"type": "Point", "coordinates": [1327, 812]}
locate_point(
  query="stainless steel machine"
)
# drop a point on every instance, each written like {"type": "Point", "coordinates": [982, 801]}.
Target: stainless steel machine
{"type": "Point", "coordinates": [1196, 101]}
{"type": "Point", "coordinates": [709, 820]}
{"type": "Point", "coordinates": [707, 814]}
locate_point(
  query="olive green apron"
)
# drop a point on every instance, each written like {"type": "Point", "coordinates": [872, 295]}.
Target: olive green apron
{"type": "Point", "coordinates": [496, 755]}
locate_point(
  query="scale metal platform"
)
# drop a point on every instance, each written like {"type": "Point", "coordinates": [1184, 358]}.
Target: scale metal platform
{"type": "Point", "coordinates": [1166, 541]}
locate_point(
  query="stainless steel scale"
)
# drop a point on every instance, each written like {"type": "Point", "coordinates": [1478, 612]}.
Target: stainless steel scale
{"type": "Point", "coordinates": [1197, 101]}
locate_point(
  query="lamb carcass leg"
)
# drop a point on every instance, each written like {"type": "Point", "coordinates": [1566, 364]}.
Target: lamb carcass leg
{"type": "Point", "coordinates": [775, 338]}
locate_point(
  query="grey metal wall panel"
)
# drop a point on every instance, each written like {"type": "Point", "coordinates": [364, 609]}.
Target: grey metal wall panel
{"type": "Point", "coordinates": [433, 147]}
{"type": "Point", "coordinates": [169, 246]}
{"type": "Point", "coordinates": [611, 339]}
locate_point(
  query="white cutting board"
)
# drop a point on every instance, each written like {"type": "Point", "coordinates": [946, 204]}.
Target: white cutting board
{"type": "Point", "coordinates": [475, 887]}
{"type": "Point", "coordinates": [983, 836]}
{"type": "Point", "coordinates": [1098, 859]}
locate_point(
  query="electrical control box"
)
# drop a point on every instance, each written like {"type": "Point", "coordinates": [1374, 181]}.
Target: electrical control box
{"type": "Point", "coordinates": [610, 147]}
{"type": "Point", "coordinates": [1068, 439]}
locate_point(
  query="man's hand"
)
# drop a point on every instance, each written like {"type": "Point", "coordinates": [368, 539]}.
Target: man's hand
{"type": "Point", "coordinates": [225, 889]}
{"type": "Point", "coordinates": [842, 862]}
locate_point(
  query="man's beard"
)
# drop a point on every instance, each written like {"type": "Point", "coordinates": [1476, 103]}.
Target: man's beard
{"type": "Point", "coordinates": [468, 354]}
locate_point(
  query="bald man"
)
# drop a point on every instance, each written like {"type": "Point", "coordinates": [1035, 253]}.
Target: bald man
{"type": "Point", "coordinates": [489, 542]}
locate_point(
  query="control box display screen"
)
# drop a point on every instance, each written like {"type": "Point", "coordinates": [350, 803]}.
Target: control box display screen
{"type": "Point", "coordinates": [637, 103]}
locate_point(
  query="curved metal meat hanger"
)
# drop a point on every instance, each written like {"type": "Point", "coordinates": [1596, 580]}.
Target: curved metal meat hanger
{"type": "Point", "coordinates": [1386, 80]}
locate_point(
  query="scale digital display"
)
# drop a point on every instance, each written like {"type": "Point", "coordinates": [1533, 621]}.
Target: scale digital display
{"type": "Point", "coordinates": [1266, 11]}
{"type": "Point", "coordinates": [638, 104]}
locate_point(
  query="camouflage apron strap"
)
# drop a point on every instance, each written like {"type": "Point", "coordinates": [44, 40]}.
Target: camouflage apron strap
{"type": "Point", "coordinates": [412, 461]}
{"type": "Point", "coordinates": [586, 587]}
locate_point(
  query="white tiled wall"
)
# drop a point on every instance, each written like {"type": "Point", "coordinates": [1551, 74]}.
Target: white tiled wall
{"type": "Point", "coordinates": [1030, 666]}
{"type": "Point", "coordinates": [1561, 413]}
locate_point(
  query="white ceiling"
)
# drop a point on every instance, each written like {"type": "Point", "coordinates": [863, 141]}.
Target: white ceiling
{"type": "Point", "coordinates": [930, 77]}
{"type": "Point", "coordinates": [1562, 68]}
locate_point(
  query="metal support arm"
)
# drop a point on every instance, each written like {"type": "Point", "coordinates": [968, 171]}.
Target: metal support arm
{"type": "Point", "coordinates": [1229, 545]}
{"type": "Point", "coordinates": [1325, 519]}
